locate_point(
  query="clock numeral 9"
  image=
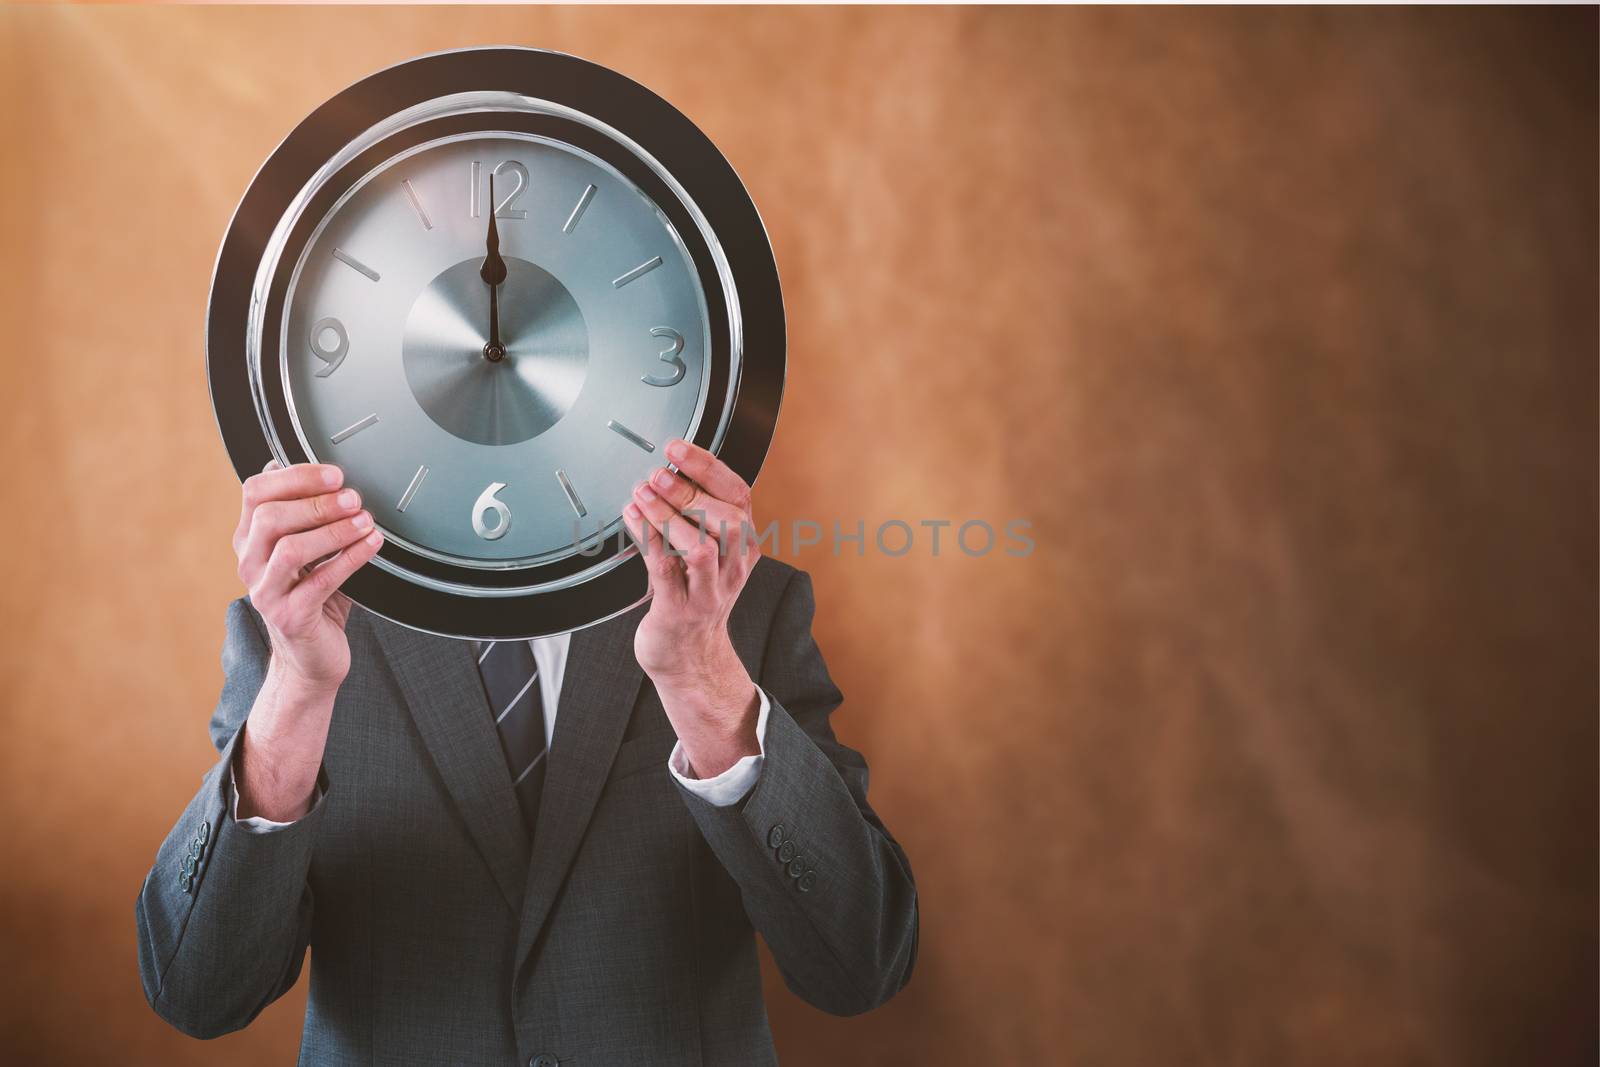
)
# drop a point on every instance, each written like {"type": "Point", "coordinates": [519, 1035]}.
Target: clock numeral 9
{"type": "Point", "coordinates": [488, 503]}
{"type": "Point", "coordinates": [669, 356]}
{"type": "Point", "coordinates": [332, 356]}
{"type": "Point", "coordinates": [503, 210]}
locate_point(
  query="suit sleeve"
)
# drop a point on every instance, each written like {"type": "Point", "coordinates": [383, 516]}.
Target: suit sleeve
{"type": "Point", "coordinates": [822, 880]}
{"type": "Point", "coordinates": [224, 916]}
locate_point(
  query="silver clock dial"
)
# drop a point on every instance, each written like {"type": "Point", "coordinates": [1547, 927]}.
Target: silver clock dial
{"type": "Point", "coordinates": [481, 461]}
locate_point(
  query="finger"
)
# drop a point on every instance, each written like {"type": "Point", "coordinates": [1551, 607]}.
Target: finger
{"type": "Point", "coordinates": [701, 569]}
{"type": "Point", "coordinates": [282, 483]}
{"type": "Point", "coordinates": [730, 528]}
{"type": "Point", "coordinates": [242, 528]}
{"type": "Point", "coordinates": [299, 550]}
{"type": "Point", "coordinates": [740, 550]}
{"type": "Point", "coordinates": [666, 570]}
{"type": "Point", "coordinates": [325, 578]}
{"type": "Point", "coordinates": [678, 531]}
{"type": "Point", "coordinates": [713, 475]}
{"type": "Point", "coordinates": [717, 517]}
{"type": "Point", "coordinates": [277, 519]}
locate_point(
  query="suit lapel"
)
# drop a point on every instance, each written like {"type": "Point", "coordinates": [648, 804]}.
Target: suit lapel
{"type": "Point", "coordinates": [444, 692]}
{"type": "Point", "coordinates": [598, 691]}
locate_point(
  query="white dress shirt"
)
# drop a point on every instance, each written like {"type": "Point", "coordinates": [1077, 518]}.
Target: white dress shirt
{"type": "Point", "coordinates": [550, 656]}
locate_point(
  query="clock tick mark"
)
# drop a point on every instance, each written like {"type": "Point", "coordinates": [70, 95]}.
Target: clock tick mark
{"type": "Point", "coordinates": [354, 428]}
{"type": "Point", "coordinates": [572, 494]}
{"type": "Point", "coordinates": [351, 261]}
{"type": "Point", "coordinates": [638, 272]}
{"type": "Point", "coordinates": [626, 433]}
{"type": "Point", "coordinates": [577, 212]}
{"type": "Point", "coordinates": [416, 202]}
{"type": "Point", "coordinates": [411, 490]}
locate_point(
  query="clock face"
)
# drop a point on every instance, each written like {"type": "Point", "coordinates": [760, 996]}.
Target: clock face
{"type": "Point", "coordinates": [495, 371]}
{"type": "Point", "coordinates": [486, 458]}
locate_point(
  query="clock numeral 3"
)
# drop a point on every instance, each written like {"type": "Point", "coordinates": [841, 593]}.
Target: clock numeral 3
{"type": "Point", "coordinates": [334, 355]}
{"type": "Point", "coordinates": [488, 503]}
{"type": "Point", "coordinates": [669, 356]}
{"type": "Point", "coordinates": [503, 210]}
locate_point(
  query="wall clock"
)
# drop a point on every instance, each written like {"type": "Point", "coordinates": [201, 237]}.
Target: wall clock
{"type": "Point", "coordinates": [494, 371]}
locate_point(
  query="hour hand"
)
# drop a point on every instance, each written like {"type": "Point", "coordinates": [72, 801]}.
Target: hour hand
{"type": "Point", "coordinates": [493, 273]}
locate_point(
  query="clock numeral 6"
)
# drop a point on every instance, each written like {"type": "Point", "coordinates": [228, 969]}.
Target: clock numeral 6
{"type": "Point", "coordinates": [669, 356]}
{"type": "Point", "coordinates": [331, 355]}
{"type": "Point", "coordinates": [503, 210]}
{"type": "Point", "coordinates": [488, 503]}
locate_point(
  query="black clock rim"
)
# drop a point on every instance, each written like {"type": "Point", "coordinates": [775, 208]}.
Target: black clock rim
{"type": "Point", "coordinates": [663, 132]}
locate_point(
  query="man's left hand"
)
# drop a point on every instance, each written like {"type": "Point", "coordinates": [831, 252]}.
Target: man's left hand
{"type": "Point", "coordinates": [695, 530]}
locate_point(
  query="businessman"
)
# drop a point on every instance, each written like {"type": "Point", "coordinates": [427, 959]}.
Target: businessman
{"type": "Point", "coordinates": [542, 853]}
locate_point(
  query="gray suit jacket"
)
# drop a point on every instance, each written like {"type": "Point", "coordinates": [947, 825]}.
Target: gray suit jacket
{"type": "Point", "coordinates": [622, 934]}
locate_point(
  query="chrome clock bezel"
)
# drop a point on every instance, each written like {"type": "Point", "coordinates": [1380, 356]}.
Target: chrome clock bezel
{"type": "Point", "coordinates": [278, 362]}
{"type": "Point", "coordinates": [710, 209]}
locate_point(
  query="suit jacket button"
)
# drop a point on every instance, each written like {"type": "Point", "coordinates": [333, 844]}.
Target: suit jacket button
{"type": "Point", "coordinates": [797, 867]}
{"type": "Point", "coordinates": [205, 831]}
{"type": "Point", "coordinates": [787, 850]}
{"type": "Point", "coordinates": [806, 881]}
{"type": "Point", "coordinates": [543, 1060]}
{"type": "Point", "coordinates": [195, 848]}
{"type": "Point", "coordinates": [185, 881]}
{"type": "Point", "coordinates": [775, 838]}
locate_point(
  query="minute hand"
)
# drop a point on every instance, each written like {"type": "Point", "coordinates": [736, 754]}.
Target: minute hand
{"type": "Point", "coordinates": [493, 273]}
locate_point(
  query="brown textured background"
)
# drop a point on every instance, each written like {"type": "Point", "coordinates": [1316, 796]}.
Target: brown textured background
{"type": "Point", "coordinates": [1280, 326]}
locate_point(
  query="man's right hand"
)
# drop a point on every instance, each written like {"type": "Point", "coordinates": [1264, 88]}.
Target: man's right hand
{"type": "Point", "coordinates": [300, 536]}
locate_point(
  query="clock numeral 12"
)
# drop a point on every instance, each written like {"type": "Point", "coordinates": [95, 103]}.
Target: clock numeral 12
{"type": "Point", "coordinates": [503, 210]}
{"type": "Point", "coordinates": [669, 356]}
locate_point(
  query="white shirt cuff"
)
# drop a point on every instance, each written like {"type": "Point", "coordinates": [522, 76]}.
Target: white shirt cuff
{"type": "Point", "coordinates": [259, 824]}
{"type": "Point", "coordinates": [731, 785]}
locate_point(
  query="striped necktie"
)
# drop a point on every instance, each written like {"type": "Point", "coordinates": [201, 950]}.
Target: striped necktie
{"type": "Point", "coordinates": [511, 682]}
